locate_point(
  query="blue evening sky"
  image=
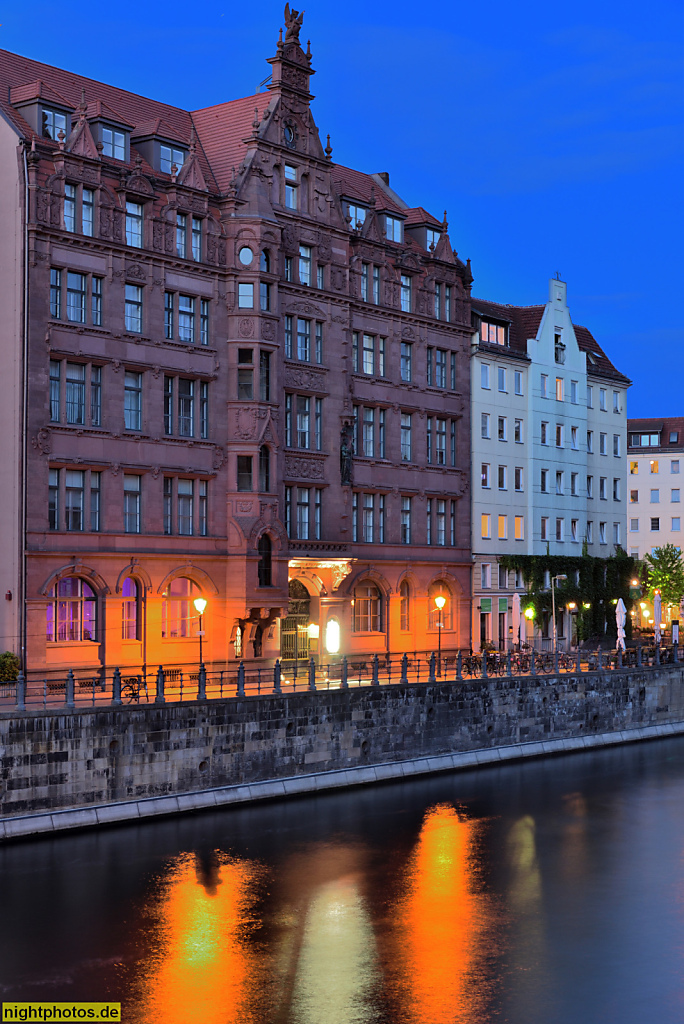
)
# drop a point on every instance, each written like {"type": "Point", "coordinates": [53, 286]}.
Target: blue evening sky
{"type": "Point", "coordinates": [551, 133]}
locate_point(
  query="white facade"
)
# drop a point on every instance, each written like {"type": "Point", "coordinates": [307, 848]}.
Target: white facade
{"type": "Point", "coordinates": [654, 485]}
{"type": "Point", "coordinates": [548, 449]}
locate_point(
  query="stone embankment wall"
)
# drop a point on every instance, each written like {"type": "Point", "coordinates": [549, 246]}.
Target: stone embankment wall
{"type": "Point", "coordinates": [129, 761]}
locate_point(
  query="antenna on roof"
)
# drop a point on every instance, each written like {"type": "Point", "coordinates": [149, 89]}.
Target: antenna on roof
{"type": "Point", "coordinates": [558, 277]}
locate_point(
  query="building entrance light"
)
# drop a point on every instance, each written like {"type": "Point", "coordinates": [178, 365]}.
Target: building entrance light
{"type": "Point", "coordinates": [332, 636]}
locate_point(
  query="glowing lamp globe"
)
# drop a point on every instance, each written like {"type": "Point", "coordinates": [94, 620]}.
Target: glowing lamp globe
{"type": "Point", "coordinates": [200, 604]}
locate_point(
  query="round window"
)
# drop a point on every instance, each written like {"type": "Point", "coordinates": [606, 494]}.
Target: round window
{"type": "Point", "coordinates": [246, 255]}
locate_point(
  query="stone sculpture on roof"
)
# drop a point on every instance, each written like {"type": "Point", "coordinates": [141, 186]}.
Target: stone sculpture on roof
{"type": "Point", "coordinates": [293, 22]}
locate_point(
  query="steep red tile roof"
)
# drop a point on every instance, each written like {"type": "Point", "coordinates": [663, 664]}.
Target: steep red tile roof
{"type": "Point", "coordinates": [597, 360]}
{"type": "Point", "coordinates": [222, 128]}
{"type": "Point", "coordinates": [357, 185]}
{"type": "Point", "coordinates": [98, 109]}
{"type": "Point", "coordinates": [36, 90]}
{"type": "Point", "coordinates": [523, 321]}
{"type": "Point", "coordinates": [666, 426]}
{"type": "Point", "coordinates": [419, 215]}
{"type": "Point", "coordinates": [159, 127]}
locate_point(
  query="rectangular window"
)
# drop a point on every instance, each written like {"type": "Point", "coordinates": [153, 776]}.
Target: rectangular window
{"type": "Point", "coordinates": [318, 505]}
{"type": "Point", "coordinates": [616, 488]}
{"type": "Point", "coordinates": [634, 525]}
{"type": "Point", "coordinates": [245, 295]}
{"type": "Point", "coordinates": [186, 319]}
{"type": "Point", "coordinates": [74, 499]}
{"type": "Point", "coordinates": [452, 373]}
{"type": "Point", "coordinates": [655, 524]}
{"type": "Point", "coordinates": [303, 421]}
{"type": "Point", "coordinates": [133, 401]}
{"type": "Point", "coordinates": [602, 533]}
{"type": "Point", "coordinates": [517, 382]}
{"type": "Point", "coordinates": [518, 478]}
{"type": "Point", "coordinates": [170, 157]}
{"type": "Point", "coordinates": [520, 528]}
{"type": "Point", "coordinates": [382, 414]}
{"type": "Point", "coordinates": [319, 343]}
{"type": "Point", "coordinates": [602, 404]}
{"type": "Point", "coordinates": [54, 390]}
{"type": "Point", "coordinates": [265, 376]}
{"type": "Point", "coordinates": [602, 444]}
{"type": "Point", "coordinates": [518, 431]}
{"type": "Point", "coordinates": [438, 301]}
{"type": "Point", "coordinates": [484, 376]}
{"type": "Point", "coordinates": [95, 501]}
{"type": "Point", "coordinates": [486, 526]}
{"type": "Point", "coordinates": [368, 516]}
{"type": "Point", "coordinates": [364, 281]}
{"type": "Point", "coordinates": [357, 215]}
{"type": "Point", "coordinates": [544, 434]}
{"type": "Point", "coordinates": [75, 393]}
{"type": "Point", "coordinates": [245, 375]}
{"type": "Point", "coordinates": [96, 301]}
{"type": "Point", "coordinates": [95, 396]}
{"type": "Point", "coordinates": [440, 522]}
{"type": "Point", "coordinates": [560, 482]}
{"type": "Point", "coordinates": [674, 465]}
{"type": "Point", "coordinates": [573, 439]}
{"type": "Point", "coordinates": [288, 268]}
{"type": "Point", "coordinates": [503, 527]}
{"type": "Point", "coordinates": [655, 496]}
{"type": "Point", "coordinates": [452, 442]}
{"type": "Point", "coordinates": [368, 433]}
{"type": "Point", "coordinates": [405, 293]}
{"type": "Point", "coordinates": [440, 441]}
{"type": "Point", "coordinates": [503, 478]}
{"type": "Point", "coordinates": [654, 466]}
{"type": "Point", "coordinates": [133, 308]}
{"type": "Point", "coordinates": [168, 499]}
{"type": "Point", "coordinates": [288, 337]}
{"type": "Point", "coordinates": [204, 321]}
{"type": "Point", "coordinates": [492, 334]}
{"type": "Point", "coordinates": [559, 435]}
{"type": "Point", "coordinates": [602, 488]}
{"type": "Point", "coordinates": [559, 389]}
{"type": "Point", "coordinates": [185, 507]}
{"type": "Point", "coordinates": [406, 437]}
{"type": "Point", "coordinates": [634, 497]}
{"type": "Point", "coordinates": [544, 381]}
{"type": "Point", "coordinates": [573, 392]}
{"type": "Point", "coordinates": [305, 265]}
{"type": "Point", "coordinates": [590, 487]}
{"type": "Point", "coordinates": [168, 315]}
{"type": "Point", "coordinates": [484, 475]}
{"type": "Point", "coordinates": [264, 296]}
{"type": "Point", "coordinates": [131, 503]}
{"type": "Point", "coordinates": [447, 302]}
{"type": "Point", "coordinates": [676, 524]}
{"type": "Point", "coordinates": [76, 297]}
{"type": "Point", "coordinates": [168, 405]}
{"type": "Point", "coordinates": [574, 530]}
{"type": "Point", "coordinates": [502, 428]}
{"type": "Point", "coordinates": [485, 425]}
{"type": "Point", "coordinates": [114, 144]}
{"type": "Point", "coordinates": [590, 397]}
{"type": "Point", "coordinates": [181, 235]}
{"type": "Point", "coordinates": [545, 528]}
{"type": "Point", "coordinates": [405, 520]}
{"type": "Point", "coordinates": [574, 477]}
{"type": "Point", "coordinates": [87, 211]}
{"type": "Point", "coordinates": [616, 444]}
{"type": "Point", "coordinates": [203, 409]}
{"type": "Point", "coordinates": [406, 360]}
{"type": "Point", "coordinates": [290, 187]}
{"type": "Point", "coordinates": [393, 228]}
{"type": "Point", "coordinates": [590, 532]}
{"type": "Point", "coordinates": [320, 277]}
{"type": "Point", "coordinates": [590, 441]}
{"type": "Point", "coordinates": [196, 239]}
{"type": "Point", "coordinates": [381, 356]}
{"type": "Point", "coordinates": [134, 225]}
{"type": "Point", "coordinates": [485, 575]}
{"type": "Point", "coordinates": [70, 207]}
{"type": "Point", "coordinates": [429, 440]}
{"type": "Point", "coordinates": [56, 294]}
{"type": "Point", "coordinates": [376, 285]}
{"type": "Point", "coordinates": [303, 340]}
{"type": "Point", "coordinates": [244, 472]}
{"type": "Point", "coordinates": [452, 523]}
{"type": "Point", "coordinates": [440, 368]}
{"type": "Point", "coordinates": [675, 493]}
{"type": "Point", "coordinates": [368, 353]}
{"type": "Point", "coordinates": [303, 512]}
{"type": "Point", "coordinates": [544, 481]}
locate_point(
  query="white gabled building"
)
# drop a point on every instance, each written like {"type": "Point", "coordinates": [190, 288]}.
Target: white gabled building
{"type": "Point", "coordinates": [549, 442]}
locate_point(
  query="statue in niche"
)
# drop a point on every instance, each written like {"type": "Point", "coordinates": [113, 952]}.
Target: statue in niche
{"type": "Point", "coordinates": [293, 23]}
{"type": "Point", "coordinates": [346, 453]}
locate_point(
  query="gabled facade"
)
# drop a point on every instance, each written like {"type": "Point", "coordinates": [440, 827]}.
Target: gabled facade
{"type": "Point", "coordinates": [549, 449]}
{"type": "Point", "coordinates": [232, 384]}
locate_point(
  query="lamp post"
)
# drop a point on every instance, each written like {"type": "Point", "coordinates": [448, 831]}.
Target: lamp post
{"type": "Point", "coordinates": [200, 604]}
{"type": "Point", "coordinates": [555, 579]}
{"type": "Point", "coordinates": [440, 601]}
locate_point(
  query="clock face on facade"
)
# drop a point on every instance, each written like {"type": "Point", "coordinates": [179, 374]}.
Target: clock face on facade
{"type": "Point", "coordinates": [290, 135]}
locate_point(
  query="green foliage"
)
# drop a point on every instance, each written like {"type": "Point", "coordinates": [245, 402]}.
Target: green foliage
{"type": "Point", "coordinates": [666, 574]}
{"type": "Point", "coordinates": [9, 667]}
{"type": "Point", "coordinates": [593, 581]}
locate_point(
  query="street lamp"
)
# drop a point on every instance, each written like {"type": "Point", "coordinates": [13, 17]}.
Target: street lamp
{"type": "Point", "coordinates": [555, 579]}
{"type": "Point", "coordinates": [440, 601]}
{"type": "Point", "coordinates": [200, 604]}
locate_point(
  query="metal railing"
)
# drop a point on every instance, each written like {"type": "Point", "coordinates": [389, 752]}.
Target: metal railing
{"type": "Point", "coordinates": [174, 685]}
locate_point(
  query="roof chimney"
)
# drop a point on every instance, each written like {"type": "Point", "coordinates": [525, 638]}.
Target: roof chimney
{"type": "Point", "coordinates": [385, 176]}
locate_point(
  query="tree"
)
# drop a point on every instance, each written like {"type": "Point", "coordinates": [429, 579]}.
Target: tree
{"type": "Point", "coordinates": [666, 574]}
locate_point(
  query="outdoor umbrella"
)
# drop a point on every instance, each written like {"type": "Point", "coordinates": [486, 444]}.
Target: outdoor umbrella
{"type": "Point", "coordinates": [657, 612]}
{"type": "Point", "coordinates": [620, 618]}
{"type": "Point", "coordinates": [516, 618]}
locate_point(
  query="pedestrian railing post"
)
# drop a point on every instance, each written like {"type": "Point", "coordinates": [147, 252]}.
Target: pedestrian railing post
{"type": "Point", "coordinates": [432, 677]}
{"type": "Point", "coordinates": [116, 687]}
{"type": "Point", "coordinates": [459, 666]}
{"type": "Point", "coordinates": [344, 682]}
{"type": "Point", "coordinates": [484, 664]}
{"type": "Point", "coordinates": [579, 659]}
{"type": "Point", "coordinates": [404, 668]}
{"type": "Point", "coordinates": [277, 688]}
{"type": "Point", "coordinates": [533, 668]}
{"type": "Point", "coordinates": [509, 663]}
{"type": "Point", "coordinates": [202, 683]}
{"type": "Point", "coordinates": [241, 679]}
{"type": "Point", "coordinates": [375, 678]}
{"type": "Point", "coordinates": [657, 654]}
{"type": "Point", "coordinates": [70, 696]}
{"type": "Point", "coordinates": [619, 658]}
{"type": "Point", "coordinates": [160, 696]}
{"type": "Point", "coordinates": [21, 692]}
{"type": "Point", "coordinates": [312, 674]}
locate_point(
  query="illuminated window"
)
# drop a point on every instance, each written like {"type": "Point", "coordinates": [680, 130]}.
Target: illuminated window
{"type": "Point", "coordinates": [367, 609]}
{"type": "Point", "coordinates": [178, 611]}
{"type": "Point", "coordinates": [486, 525]}
{"type": "Point", "coordinates": [72, 611]}
{"type": "Point", "coordinates": [129, 610]}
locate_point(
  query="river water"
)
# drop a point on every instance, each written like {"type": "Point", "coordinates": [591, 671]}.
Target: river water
{"type": "Point", "coordinates": [548, 892]}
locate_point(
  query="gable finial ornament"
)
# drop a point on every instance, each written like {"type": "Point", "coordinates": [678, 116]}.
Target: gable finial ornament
{"type": "Point", "coordinates": [445, 223]}
{"type": "Point", "coordinates": [328, 149]}
{"type": "Point", "coordinates": [293, 23]}
{"type": "Point", "coordinates": [256, 123]}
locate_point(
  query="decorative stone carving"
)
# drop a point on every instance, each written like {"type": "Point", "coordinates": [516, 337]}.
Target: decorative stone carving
{"type": "Point", "coordinates": [408, 332]}
{"type": "Point", "coordinates": [247, 422]}
{"type": "Point", "coordinates": [245, 327]}
{"type": "Point", "coordinates": [307, 308]}
{"type": "Point", "coordinates": [299, 467]}
{"type": "Point", "coordinates": [289, 239]}
{"type": "Point", "coordinates": [135, 272]}
{"type": "Point", "coordinates": [324, 249]}
{"type": "Point", "coordinates": [338, 278]}
{"type": "Point", "coordinates": [312, 380]}
{"type": "Point", "coordinates": [268, 330]}
{"type": "Point", "coordinates": [339, 570]}
{"type": "Point", "coordinates": [218, 457]}
{"type": "Point", "coordinates": [115, 469]}
{"type": "Point", "coordinates": [156, 470]}
{"type": "Point", "coordinates": [245, 506]}
{"type": "Point", "coordinates": [42, 441]}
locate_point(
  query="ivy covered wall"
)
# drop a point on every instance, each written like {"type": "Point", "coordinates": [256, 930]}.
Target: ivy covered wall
{"type": "Point", "coordinates": [596, 582]}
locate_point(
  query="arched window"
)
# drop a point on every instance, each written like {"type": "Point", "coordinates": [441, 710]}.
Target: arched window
{"type": "Point", "coordinates": [264, 567]}
{"type": "Point", "coordinates": [72, 612]}
{"type": "Point", "coordinates": [367, 609]}
{"type": "Point", "coordinates": [435, 616]}
{"type": "Point", "coordinates": [238, 642]}
{"type": "Point", "coordinates": [264, 468]}
{"type": "Point", "coordinates": [178, 610]}
{"type": "Point", "coordinates": [129, 610]}
{"type": "Point", "coordinates": [405, 606]}
{"type": "Point", "coordinates": [265, 261]}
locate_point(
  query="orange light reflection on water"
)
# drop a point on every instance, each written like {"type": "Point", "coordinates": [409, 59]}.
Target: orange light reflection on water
{"type": "Point", "coordinates": [440, 925]}
{"type": "Point", "coordinates": [201, 970]}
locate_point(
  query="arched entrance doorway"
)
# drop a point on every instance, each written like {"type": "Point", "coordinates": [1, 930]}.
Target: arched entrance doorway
{"type": "Point", "coordinates": [294, 631]}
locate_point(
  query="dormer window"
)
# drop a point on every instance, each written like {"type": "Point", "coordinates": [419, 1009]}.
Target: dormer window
{"type": "Point", "coordinates": [393, 229]}
{"type": "Point", "coordinates": [432, 238]}
{"type": "Point", "coordinates": [113, 143]}
{"type": "Point", "coordinates": [53, 122]}
{"type": "Point", "coordinates": [357, 215]}
{"type": "Point", "coordinates": [168, 157]}
{"type": "Point", "coordinates": [492, 334]}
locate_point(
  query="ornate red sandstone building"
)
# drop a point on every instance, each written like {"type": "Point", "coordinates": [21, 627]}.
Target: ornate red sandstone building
{"type": "Point", "coordinates": [231, 368]}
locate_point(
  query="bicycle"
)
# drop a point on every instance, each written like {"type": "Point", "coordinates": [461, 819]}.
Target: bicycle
{"type": "Point", "coordinates": [131, 688]}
